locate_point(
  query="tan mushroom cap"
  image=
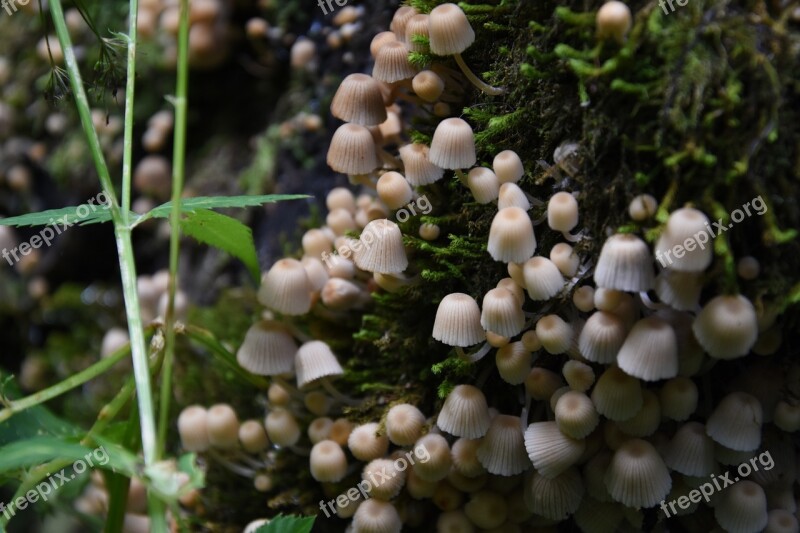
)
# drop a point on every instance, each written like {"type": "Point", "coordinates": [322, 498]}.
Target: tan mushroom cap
{"type": "Point", "coordinates": [453, 145]}
{"type": "Point", "coordinates": [418, 168]}
{"type": "Point", "coordinates": [450, 31]}
{"type": "Point", "coordinates": [391, 63]}
{"type": "Point", "coordinates": [359, 100]}
{"type": "Point", "coordinates": [315, 360]}
{"type": "Point", "coordinates": [352, 150]}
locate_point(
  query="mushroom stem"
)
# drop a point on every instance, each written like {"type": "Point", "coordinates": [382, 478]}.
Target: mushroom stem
{"type": "Point", "coordinates": [299, 450]}
{"type": "Point", "coordinates": [255, 463]}
{"type": "Point", "coordinates": [361, 179]}
{"type": "Point", "coordinates": [573, 238]}
{"type": "Point", "coordinates": [476, 356]}
{"type": "Point", "coordinates": [648, 303]}
{"type": "Point", "coordinates": [461, 177]}
{"type": "Point", "coordinates": [330, 389]}
{"type": "Point", "coordinates": [476, 81]}
{"type": "Point", "coordinates": [293, 391]}
{"type": "Point", "coordinates": [296, 332]}
{"type": "Point", "coordinates": [230, 465]}
{"type": "Point", "coordinates": [533, 200]}
{"type": "Point", "coordinates": [523, 417]}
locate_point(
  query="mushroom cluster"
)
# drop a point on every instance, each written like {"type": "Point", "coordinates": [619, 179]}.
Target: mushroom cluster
{"type": "Point", "coordinates": [608, 359]}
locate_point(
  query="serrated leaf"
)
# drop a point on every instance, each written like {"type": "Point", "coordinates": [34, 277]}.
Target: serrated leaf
{"type": "Point", "coordinates": [225, 233]}
{"type": "Point", "coordinates": [218, 202]}
{"type": "Point", "coordinates": [38, 450]}
{"type": "Point", "coordinates": [288, 524]}
{"type": "Point", "coordinates": [56, 216]}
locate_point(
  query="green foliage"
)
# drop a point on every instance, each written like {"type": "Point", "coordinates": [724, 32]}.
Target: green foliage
{"type": "Point", "coordinates": [225, 233]}
{"type": "Point", "coordinates": [218, 202]}
{"type": "Point", "coordinates": [288, 524]}
{"type": "Point", "coordinates": [37, 450]}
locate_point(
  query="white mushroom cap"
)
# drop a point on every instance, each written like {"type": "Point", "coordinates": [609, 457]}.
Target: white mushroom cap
{"type": "Point", "coordinates": [436, 452]}
{"type": "Point", "coordinates": [554, 333]}
{"type": "Point", "coordinates": [502, 313]}
{"type": "Point", "coordinates": [192, 427]}
{"type": "Point", "coordinates": [458, 321]}
{"type": "Point", "coordinates": [601, 337]}
{"type": "Point", "coordinates": [327, 462]}
{"type": "Point", "coordinates": [636, 476]}
{"type": "Point", "coordinates": [508, 166]}
{"type": "Point", "coordinates": [727, 327]}
{"type": "Point", "coordinates": [575, 415]}
{"type": "Point", "coordinates": [391, 63]}
{"type": "Point", "coordinates": [554, 498]}
{"type": "Point", "coordinates": [483, 184]}
{"type": "Point", "coordinates": [464, 413]}
{"type": "Point", "coordinates": [352, 150]}
{"type": "Point", "coordinates": [562, 212]}
{"type": "Point", "coordinates": [616, 395]}
{"type": "Point", "coordinates": [511, 237]}
{"type": "Point", "coordinates": [550, 450]}
{"type": "Point", "coordinates": [650, 351]}
{"type": "Point", "coordinates": [381, 248]}
{"type": "Point", "coordinates": [315, 360]}
{"type": "Point", "coordinates": [679, 245]}
{"type": "Point", "coordinates": [385, 479]}
{"type": "Point", "coordinates": [625, 264]}
{"type": "Point", "coordinates": [286, 288]}
{"type": "Point", "coordinates": [736, 422]}
{"type": "Point", "coordinates": [282, 427]}
{"type": "Point", "coordinates": [394, 190]}
{"type": "Point", "coordinates": [376, 516]}
{"type": "Point", "coordinates": [513, 362]}
{"type": "Point", "coordinates": [502, 451]}
{"type": "Point", "coordinates": [510, 195]}
{"type": "Point", "coordinates": [404, 424]}
{"type": "Point", "coordinates": [365, 444]}
{"type": "Point", "coordinates": [267, 349]}
{"type": "Point", "coordinates": [223, 427]}
{"type": "Point", "coordinates": [449, 30]}
{"type": "Point", "coordinates": [679, 290]}
{"type": "Point", "coordinates": [453, 145]}
{"type": "Point", "coordinates": [359, 100]}
{"type": "Point", "coordinates": [691, 451]}
{"type": "Point", "coordinates": [418, 168]}
{"type": "Point", "coordinates": [742, 508]}
{"type": "Point", "coordinates": [543, 280]}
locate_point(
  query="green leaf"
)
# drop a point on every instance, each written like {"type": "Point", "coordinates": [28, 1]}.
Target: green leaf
{"type": "Point", "coordinates": [32, 422]}
{"type": "Point", "coordinates": [38, 450]}
{"type": "Point", "coordinates": [218, 202]}
{"type": "Point", "coordinates": [62, 218]}
{"type": "Point", "coordinates": [225, 233]}
{"type": "Point", "coordinates": [288, 524]}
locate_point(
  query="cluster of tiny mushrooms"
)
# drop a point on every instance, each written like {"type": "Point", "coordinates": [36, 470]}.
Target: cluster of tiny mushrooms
{"type": "Point", "coordinates": [620, 429]}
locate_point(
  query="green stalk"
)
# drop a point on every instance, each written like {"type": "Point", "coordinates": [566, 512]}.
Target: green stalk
{"type": "Point", "coordinates": [76, 380]}
{"type": "Point", "coordinates": [178, 169]}
{"type": "Point", "coordinates": [122, 230]}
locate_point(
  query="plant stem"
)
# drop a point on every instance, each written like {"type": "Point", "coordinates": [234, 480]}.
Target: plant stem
{"type": "Point", "coordinates": [76, 380]}
{"type": "Point", "coordinates": [130, 88]}
{"type": "Point", "coordinates": [178, 169]}
{"type": "Point", "coordinates": [82, 103]}
{"type": "Point", "coordinates": [122, 228]}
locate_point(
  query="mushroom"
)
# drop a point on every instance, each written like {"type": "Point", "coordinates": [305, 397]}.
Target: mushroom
{"type": "Point", "coordinates": [450, 34]}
